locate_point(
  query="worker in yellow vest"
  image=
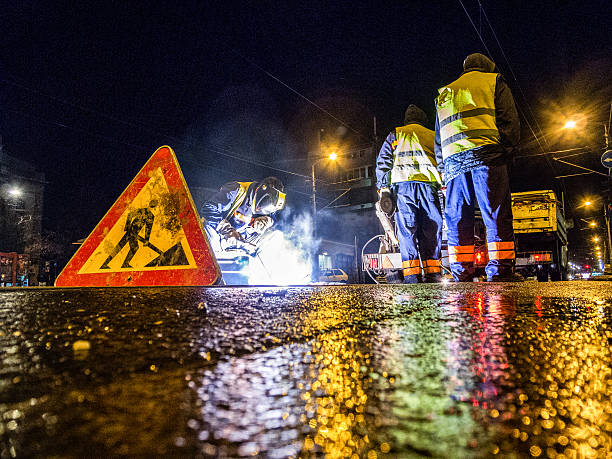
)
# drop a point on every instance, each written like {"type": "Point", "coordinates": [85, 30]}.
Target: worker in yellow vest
{"type": "Point", "coordinates": [239, 209]}
{"type": "Point", "coordinates": [406, 167]}
{"type": "Point", "coordinates": [477, 132]}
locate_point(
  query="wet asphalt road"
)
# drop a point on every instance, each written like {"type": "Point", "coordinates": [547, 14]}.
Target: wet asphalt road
{"type": "Point", "coordinates": [474, 370]}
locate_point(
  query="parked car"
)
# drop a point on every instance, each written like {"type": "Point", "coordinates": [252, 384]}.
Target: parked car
{"type": "Point", "coordinates": [333, 275]}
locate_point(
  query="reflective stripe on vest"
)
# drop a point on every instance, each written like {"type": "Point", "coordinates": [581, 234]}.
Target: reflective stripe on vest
{"type": "Point", "coordinates": [501, 250]}
{"type": "Point", "coordinates": [414, 158]}
{"type": "Point", "coordinates": [466, 113]}
{"type": "Point", "coordinates": [461, 253]}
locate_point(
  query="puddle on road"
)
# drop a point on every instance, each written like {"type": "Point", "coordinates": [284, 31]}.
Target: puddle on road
{"type": "Point", "coordinates": [438, 374]}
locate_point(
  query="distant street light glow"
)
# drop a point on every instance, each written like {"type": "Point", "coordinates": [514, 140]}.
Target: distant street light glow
{"type": "Point", "coordinates": [593, 224]}
{"type": "Point", "coordinates": [333, 156]}
{"type": "Point", "coordinates": [570, 125]}
{"type": "Point", "coordinates": [587, 203]}
{"type": "Point", "coordinates": [595, 239]}
{"type": "Point", "coordinates": [15, 192]}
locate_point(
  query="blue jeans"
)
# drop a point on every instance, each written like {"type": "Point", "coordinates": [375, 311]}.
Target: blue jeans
{"type": "Point", "coordinates": [488, 186]}
{"type": "Point", "coordinates": [419, 224]}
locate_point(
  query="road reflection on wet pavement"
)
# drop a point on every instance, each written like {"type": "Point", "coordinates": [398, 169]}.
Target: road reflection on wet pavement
{"type": "Point", "coordinates": [471, 370]}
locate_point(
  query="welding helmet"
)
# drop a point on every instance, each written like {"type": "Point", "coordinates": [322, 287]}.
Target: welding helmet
{"type": "Point", "coordinates": [269, 196]}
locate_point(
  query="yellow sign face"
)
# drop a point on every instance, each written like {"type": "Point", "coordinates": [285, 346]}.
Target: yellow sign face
{"type": "Point", "coordinates": [148, 236]}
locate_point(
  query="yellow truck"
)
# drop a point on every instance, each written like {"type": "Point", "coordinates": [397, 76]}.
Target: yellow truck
{"type": "Point", "coordinates": [540, 232]}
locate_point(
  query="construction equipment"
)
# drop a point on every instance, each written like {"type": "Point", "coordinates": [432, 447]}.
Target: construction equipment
{"type": "Point", "coordinates": [386, 265]}
{"type": "Point", "coordinates": [540, 233]}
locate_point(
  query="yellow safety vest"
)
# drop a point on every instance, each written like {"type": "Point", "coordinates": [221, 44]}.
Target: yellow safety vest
{"type": "Point", "coordinates": [466, 113]}
{"type": "Point", "coordinates": [414, 158]}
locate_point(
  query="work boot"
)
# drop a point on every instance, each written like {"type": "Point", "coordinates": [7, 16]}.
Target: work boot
{"type": "Point", "coordinates": [510, 277]}
{"type": "Point", "coordinates": [411, 279]}
{"type": "Point", "coordinates": [434, 278]}
{"type": "Point", "coordinates": [394, 277]}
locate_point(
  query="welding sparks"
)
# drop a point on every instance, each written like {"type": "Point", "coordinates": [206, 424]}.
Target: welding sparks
{"type": "Point", "coordinates": [279, 262]}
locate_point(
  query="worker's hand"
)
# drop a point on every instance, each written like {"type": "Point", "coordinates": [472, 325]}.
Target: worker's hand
{"type": "Point", "coordinates": [443, 189]}
{"type": "Point", "coordinates": [260, 224]}
{"type": "Point", "coordinates": [227, 231]}
{"type": "Point", "coordinates": [233, 234]}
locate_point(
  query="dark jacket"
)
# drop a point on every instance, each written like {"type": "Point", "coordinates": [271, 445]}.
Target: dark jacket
{"type": "Point", "coordinates": [508, 125]}
{"type": "Point", "coordinates": [230, 196]}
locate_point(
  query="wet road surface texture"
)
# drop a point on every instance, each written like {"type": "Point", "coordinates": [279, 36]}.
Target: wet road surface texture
{"type": "Point", "coordinates": [474, 370]}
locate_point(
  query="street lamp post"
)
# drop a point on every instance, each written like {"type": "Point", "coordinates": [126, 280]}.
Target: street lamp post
{"type": "Point", "coordinates": [607, 217]}
{"type": "Point", "coordinates": [332, 157]}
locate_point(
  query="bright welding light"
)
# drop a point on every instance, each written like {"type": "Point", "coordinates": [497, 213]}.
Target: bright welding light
{"type": "Point", "coordinates": [279, 262]}
{"type": "Point", "coordinates": [445, 281]}
{"type": "Point", "coordinates": [15, 192]}
{"type": "Point", "coordinates": [571, 124]}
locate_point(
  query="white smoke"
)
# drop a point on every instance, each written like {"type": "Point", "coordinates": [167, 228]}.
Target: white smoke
{"type": "Point", "coordinates": [285, 256]}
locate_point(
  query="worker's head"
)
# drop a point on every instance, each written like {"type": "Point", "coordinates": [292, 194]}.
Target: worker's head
{"type": "Point", "coordinates": [478, 61]}
{"type": "Point", "coordinates": [269, 196]}
{"type": "Point", "coordinates": [153, 203]}
{"type": "Point", "coordinates": [414, 114]}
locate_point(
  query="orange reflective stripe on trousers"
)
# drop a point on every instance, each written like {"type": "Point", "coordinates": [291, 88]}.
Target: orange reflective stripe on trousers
{"type": "Point", "coordinates": [432, 266]}
{"type": "Point", "coordinates": [460, 253]}
{"type": "Point", "coordinates": [411, 267]}
{"type": "Point", "coordinates": [503, 250]}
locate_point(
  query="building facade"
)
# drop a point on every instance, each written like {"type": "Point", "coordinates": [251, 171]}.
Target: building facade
{"type": "Point", "coordinates": [346, 220]}
{"type": "Point", "coordinates": [21, 200]}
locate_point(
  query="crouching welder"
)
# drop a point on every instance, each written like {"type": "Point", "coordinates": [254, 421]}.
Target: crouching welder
{"type": "Point", "coordinates": [407, 168]}
{"type": "Point", "coordinates": [477, 130]}
{"type": "Point", "coordinates": [240, 212]}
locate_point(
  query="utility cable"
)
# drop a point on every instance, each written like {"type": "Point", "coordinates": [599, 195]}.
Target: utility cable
{"type": "Point", "coordinates": [296, 92]}
{"type": "Point", "coordinates": [518, 84]}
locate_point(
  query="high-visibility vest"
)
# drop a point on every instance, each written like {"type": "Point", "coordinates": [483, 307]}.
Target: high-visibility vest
{"type": "Point", "coordinates": [466, 113]}
{"type": "Point", "coordinates": [414, 158]}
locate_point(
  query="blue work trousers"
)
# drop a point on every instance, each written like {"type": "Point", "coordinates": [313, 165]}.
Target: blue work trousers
{"type": "Point", "coordinates": [489, 187]}
{"type": "Point", "coordinates": [419, 224]}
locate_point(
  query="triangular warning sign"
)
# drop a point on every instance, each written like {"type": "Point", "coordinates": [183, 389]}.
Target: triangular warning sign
{"type": "Point", "coordinates": [152, 235]}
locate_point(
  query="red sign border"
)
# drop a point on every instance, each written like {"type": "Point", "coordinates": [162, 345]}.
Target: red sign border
{"type": "Point", "coordinates": [207, 271]}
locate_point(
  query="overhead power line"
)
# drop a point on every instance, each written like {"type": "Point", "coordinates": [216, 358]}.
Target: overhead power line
{"type": "Point", "coordinates": [524, 115]}
{"type": "Point", "coordinates": [295, 91]}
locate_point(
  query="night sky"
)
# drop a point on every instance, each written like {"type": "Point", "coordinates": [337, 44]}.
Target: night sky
{"type": "Point", "coordinates": [88, 90]}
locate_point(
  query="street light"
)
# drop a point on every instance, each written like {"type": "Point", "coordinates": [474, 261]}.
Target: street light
{"type": "Point", "coordinates": [15, 192]}
{"type": "Point", "coordinates": [571, 124]}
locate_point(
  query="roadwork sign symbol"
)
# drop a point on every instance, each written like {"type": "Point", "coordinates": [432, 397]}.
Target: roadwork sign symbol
{"type": "Point", "coordinates": [151, 236]}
